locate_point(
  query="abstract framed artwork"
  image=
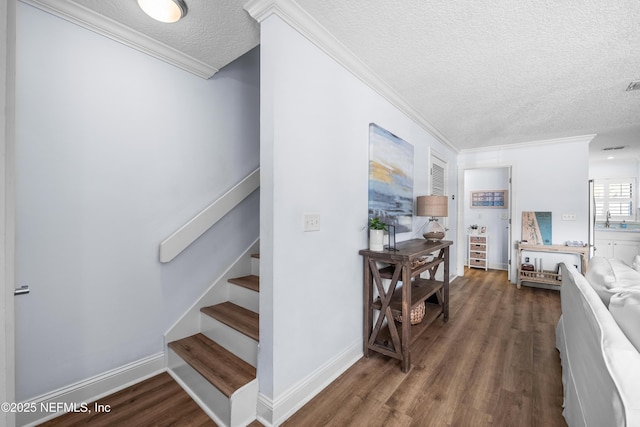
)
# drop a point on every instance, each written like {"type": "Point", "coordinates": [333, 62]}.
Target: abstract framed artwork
{"type": "Point", "coordinates": [536, 228]}
{"type": "Point", "coordinates": [489, 199]}
{"type": "Point", "coordinates": [390, 179]}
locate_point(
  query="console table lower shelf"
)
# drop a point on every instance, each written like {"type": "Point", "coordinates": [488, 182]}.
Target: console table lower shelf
{"type": "Point", "coordinates": [382, 332]}
{"type": "Point", "coordinates": [422, 290]}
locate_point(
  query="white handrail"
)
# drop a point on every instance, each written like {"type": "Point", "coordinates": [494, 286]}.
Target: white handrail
{"type": "Point", "coordinates": [173, 245]}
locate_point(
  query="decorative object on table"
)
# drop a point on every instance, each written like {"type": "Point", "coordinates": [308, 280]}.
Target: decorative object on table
{"type": "Point", "coordinates": [391, 237]}
{"type": "Point", "coordinates": [390, 179]}
{"type": "Point", "coordinates": [489, 199]}
{"type": "Point", "coordinates": [473, 229]}
{"type": "Point", "coordinates": [416, 315]}
{"type": "Point", "coordinates": [433, 206]}
{"type": "Point", "coordinates": [483, 230]}
{"type": "Point", "coordinates": [419, 262]}
{"type": "Point", "coordinates": [536, 228]}
{"type": "Point", "coordinates": [376, 234]}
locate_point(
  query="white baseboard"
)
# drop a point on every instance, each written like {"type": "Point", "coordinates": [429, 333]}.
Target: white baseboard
{"type": "Point", "coordinates": [275, 412]}
{"type": "Point", "coordinates": [91, 389]}
{"type": "Point", "coordinates": [499, 266]}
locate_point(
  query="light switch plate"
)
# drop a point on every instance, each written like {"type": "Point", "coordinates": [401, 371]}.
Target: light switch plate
{"type": "Point", "coordinates": [312, 222]}
{"type": "Point", "coordinates": [568, 217]}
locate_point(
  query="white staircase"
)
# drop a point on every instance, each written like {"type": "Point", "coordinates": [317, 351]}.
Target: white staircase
{"type": "Point", "coordinates": [213, 349]}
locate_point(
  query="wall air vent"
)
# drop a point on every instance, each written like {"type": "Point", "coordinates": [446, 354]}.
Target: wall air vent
{"type": "Point", "coordinates": [619, 147]}
{"type": "Point", "coordinates": [634, 85]}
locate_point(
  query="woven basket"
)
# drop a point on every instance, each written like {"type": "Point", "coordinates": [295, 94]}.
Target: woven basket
{"type": "Point", "coordinates": [419, 262]}
{"type": "Point", "coordinates": [417, 314]}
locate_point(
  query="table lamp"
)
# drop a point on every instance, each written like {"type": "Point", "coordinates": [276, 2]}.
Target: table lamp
{"type": "Point", "coordinates": [433, 206]}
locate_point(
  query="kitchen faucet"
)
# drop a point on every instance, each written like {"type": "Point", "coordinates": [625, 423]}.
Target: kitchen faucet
{"type": "Point", "coordinates": [607, 224]}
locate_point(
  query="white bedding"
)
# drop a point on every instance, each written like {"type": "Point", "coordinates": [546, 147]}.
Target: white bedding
{"type": "Point", "coordinates": [600, 367]}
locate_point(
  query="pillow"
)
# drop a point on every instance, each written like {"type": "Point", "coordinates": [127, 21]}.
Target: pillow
{"type": "Point", "coordinates": [605, 274]}
{"type": "Point", "coordinates": [636, 263]}
{"type": "Point", "coordinates": [624, 306]}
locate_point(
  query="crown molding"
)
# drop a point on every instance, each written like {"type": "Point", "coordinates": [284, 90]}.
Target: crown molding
{"type": "Point", "coordinates": [571, 139]}
{"type": "Point", "coordinates": [114, 30]}
{"type": "Point", "coordinates": [296, 17]}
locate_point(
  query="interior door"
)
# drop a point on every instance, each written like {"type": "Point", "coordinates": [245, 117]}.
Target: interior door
{"type": "Point", "coordinates": [438, 183]}
{"type": "Point", "coordinates": [509, 233]}
{"type": "Point", "coordinates": [7, 230]}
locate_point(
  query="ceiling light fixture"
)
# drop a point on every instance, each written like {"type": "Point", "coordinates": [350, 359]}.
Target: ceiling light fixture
{"type": "Point", "coordinates": [168, 11]}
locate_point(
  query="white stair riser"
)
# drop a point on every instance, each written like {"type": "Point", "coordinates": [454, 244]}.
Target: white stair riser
{"type": "Point", "coordinates": [236, 342]}
{"type": "Point", "coordinates": [208, 397]}
{"type": "Point", "coordinates": [237, 411]}
{"type": "Point", "coordinates": [255, 266]}
{"type": "Point", "coordinates": [244, 297]}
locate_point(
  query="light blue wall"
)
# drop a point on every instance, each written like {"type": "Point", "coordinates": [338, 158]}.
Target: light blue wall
{"type": "Point", "coordinates": [315, 151]}
{"type": "Point", "coordinates": [115, 151]}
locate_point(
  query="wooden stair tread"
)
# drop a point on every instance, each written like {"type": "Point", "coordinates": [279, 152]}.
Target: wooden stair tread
{"type": "Point", "coordinates": [236, 317]}
{"type": "Point", "coordinates": [220, 367]}
{"type": "Point", "coordinates": [250, 282]}
{"type": "Point", "coordinates": [257, 256]}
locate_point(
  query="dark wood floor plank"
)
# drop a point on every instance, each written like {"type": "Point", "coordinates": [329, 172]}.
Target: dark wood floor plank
{"type": "Point", "coordinates": [493, 364]}
{"type": "Point", "coordinates": [158, 401]}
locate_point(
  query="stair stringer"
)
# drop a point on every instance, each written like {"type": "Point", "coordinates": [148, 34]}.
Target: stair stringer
{"type": "Point", "coordinates": [190, 322]}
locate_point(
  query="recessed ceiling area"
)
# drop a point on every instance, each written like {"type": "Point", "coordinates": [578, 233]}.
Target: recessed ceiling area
{"type": "Point", "coordinates": [484, 73]}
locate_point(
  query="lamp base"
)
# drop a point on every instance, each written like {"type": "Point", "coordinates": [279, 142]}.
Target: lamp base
{"type": "Point", "coordinates": [434, 231]}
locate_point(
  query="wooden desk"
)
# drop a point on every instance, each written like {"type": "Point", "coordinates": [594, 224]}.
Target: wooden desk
{"type": "Point", "coordinates": [399, 300]}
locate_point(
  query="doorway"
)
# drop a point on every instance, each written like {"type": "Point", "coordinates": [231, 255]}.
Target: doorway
{"type": "Point", "coordinates": [490, 213]}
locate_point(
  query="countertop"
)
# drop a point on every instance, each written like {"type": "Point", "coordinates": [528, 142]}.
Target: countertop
{"type": "Point", "coordinates": [616, 228]}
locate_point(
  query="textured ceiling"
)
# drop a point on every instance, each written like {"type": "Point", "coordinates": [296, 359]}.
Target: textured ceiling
{"type": "Point", "coordinates": [483, 73]}
{"type": "Point", "coordinates": [491, 72]}
{"type": "Point", "coordinates": [214, 31]}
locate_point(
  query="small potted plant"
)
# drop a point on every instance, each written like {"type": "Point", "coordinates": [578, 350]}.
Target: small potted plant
{"type": "Point", "coordinates": [376, 234]}
{"type": "Point", "coordinates": [473, 229]}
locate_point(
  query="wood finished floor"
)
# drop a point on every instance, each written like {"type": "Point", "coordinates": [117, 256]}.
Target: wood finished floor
{"type": "Point", "coordinates": [494, 363]}
{"type": "Point", "coordinates": [158, 401]}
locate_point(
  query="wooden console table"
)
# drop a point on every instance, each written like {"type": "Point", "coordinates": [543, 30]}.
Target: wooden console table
{"type": "Point", "coordinates": [399, 300]}
{"type": "Point", "coordinates": [548, 277]}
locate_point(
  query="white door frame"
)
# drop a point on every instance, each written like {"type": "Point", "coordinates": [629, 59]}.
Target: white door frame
{"type": "Point", "coordinates": [7, 206]}
{"type": "Point", "coordinates": [461, 232]}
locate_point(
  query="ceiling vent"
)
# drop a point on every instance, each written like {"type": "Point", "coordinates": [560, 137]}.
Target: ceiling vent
{"type": "Point", "coordinates": [619, 147]}
{"type": "Point", "coordinates": [634, 85]}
